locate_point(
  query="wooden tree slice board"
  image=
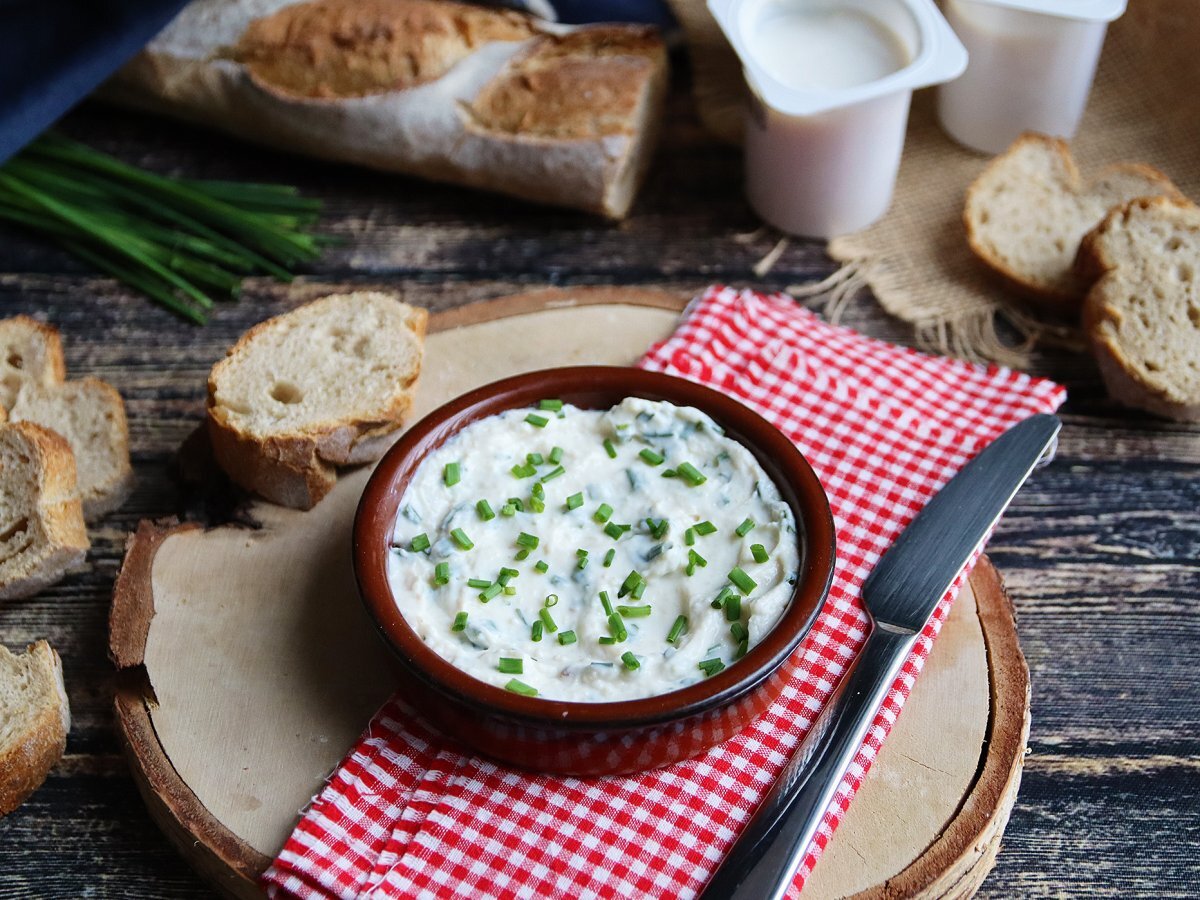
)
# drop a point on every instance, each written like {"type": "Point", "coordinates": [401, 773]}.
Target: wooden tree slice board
{"type": "Point", "coordinates": [247, 666]}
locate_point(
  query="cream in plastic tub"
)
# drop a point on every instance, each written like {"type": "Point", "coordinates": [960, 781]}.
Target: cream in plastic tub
{"type": "Point", "coordinates": [830, 84]}
{"type": "Point", "coordinates": [1031, 69]}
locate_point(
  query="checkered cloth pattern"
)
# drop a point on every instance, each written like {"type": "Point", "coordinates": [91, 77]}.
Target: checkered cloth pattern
{"type": "Point", "coordinates": [408, 814]}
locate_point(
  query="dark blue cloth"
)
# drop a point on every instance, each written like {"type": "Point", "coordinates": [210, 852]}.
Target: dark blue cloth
{"type": "Point", "coordinates": [53, 53]}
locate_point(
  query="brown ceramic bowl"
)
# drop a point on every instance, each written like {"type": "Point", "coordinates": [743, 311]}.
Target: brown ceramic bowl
{"type": "Point", "coordinates": [594, 738]}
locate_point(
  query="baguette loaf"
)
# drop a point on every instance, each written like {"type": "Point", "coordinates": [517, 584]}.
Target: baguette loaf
{"type": "Point", "coordinates": [487, 98]}
{"type": "Point", "coordinates": [1142, 316]}
{"type": "Point", "coordinates": [32, 354]}
{"type": "Point", "coordinates": [1027, 212]}
{"type": "Point", "coordinates": [34, 721]}
{"type": "Point", "coordinates": [325, 385]}
{"type": "Point", "coordinates": [41, 523]}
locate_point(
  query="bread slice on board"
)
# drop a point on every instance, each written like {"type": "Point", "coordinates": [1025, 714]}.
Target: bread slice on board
{"type": "Point", "coordinates": [34, 721]}
{"type": "Point", "coordinates": [1142, 316]}
{"type": "Point", "coordinates": [487, 98]}
{"type": "Point", "coordinates": [1027, 212]}
{"type": "Point", "coordinates": [325, 385]}
{"type": "Point", "coordinates": [90, 414]}
{"type": "Point", "coordinates": [30, 353]}
{"type": "Point", "coordinates": [42, 534]}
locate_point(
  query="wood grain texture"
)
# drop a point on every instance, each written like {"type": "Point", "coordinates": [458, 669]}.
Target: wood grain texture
{"type": "Point", "coordinates": [1099, 551]}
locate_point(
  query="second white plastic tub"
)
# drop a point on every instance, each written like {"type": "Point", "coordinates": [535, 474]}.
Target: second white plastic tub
{"type": "Point", "coordinates": [831, 82]}
{"type": "Point", "coordinates": [1031, 69]}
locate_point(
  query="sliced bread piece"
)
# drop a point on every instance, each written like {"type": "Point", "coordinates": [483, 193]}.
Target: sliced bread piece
{"type": "Point", "coordinates": [34, 721]}
{"type": "Point", "coordinates": [90, 414]}
{"type": "Point", "coordinates": [30, 353]}
{"type": "Point", "coordinates": [325, 385]}
{"type": "Point", "coordinates": [1027, 212]}
{"type": "Point", "coordinates": [1142, 316]}
{"type": "Point", "coordinates": [42, 534]}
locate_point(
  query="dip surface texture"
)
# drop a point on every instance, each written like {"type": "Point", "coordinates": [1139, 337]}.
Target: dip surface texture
{"type": "Point", "coordinates": [647, 502]}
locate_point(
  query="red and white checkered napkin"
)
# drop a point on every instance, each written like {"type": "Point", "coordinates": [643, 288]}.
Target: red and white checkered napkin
{"type": "Point", "coordinates": [408, 814]}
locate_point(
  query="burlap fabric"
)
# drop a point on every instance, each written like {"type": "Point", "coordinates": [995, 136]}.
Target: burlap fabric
{"type": "Point", "coordinates": [1145, 107]}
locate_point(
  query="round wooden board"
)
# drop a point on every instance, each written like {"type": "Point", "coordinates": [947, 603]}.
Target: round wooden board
{"type": "Point", "coordinates": [219, 633]}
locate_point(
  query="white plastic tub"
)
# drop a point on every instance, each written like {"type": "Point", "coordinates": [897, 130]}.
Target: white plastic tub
{"type": "Point", "coordinates": [1032, 66]}
{"type": "Point", "coordinates": [830, 84]}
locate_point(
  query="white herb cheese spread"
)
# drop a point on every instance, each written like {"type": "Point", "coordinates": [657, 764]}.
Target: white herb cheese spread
{"type": "Point", "coordinates": [592, 555]}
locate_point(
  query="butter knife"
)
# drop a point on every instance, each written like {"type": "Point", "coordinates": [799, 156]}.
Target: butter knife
{"type": "Point", "coordinates": [900, 595]}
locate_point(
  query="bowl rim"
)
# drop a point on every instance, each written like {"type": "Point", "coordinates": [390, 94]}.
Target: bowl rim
{"type": "Point", "coordinates": [375, 517]}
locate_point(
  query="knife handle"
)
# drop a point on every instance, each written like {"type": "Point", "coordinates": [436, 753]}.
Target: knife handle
{"type": "Point", "coordinates": [769, 852]}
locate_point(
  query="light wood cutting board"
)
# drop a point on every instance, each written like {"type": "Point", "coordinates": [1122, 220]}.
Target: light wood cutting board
{"type": "Point", "coordinates": [248, 667]}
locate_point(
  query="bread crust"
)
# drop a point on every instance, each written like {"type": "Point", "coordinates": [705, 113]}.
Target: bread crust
{"type": "Point", "coordinates": [1063, 302]}
{"type": "Point", "coordinates": [25, 763]}
{"type": "Point", "coordinates": [1101, 316]}
{"type": "Point", "coordinates": [399, 117]}
{"type": "Point", "coordinates": [55, 370]}
{"type": "Point", "coordinates": [300, 468]}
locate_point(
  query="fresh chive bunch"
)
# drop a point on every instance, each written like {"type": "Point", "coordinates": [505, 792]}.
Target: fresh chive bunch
{"type": "Point", "coordinates": [182, 242]}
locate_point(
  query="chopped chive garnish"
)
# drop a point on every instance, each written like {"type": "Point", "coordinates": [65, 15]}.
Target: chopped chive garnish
{"type": "Point", "coordinates": [522, 554]}
{"type": "Point", "coordinates": [534, 459]}
{"type": "Point", "coordinates": [639, 590]}
{"type": "Point", "coordinates": [652, 457]}
{"type": "Point", "coordinates": [508, 509]}
{"type": "Point", "coordinates": [603, 513]}
{"type": "Point", "coordinates": [656, 551]}
{"type": "Point", "coordinates": [452, 474]}
{"type": "Point", "coordinates": [677, 630]}
{"type": "Point", "coordinates": [535, 630]}
{"type": "Point", "coordinates": [542, 566]}
{"type": "Point", "coordinates": [631, 661]}
{"type": "Point", "coordinates": [608, 557]}
{"type": "Point", "coordinates": [670, 473]}
{"type": "Point", "coordinates": [689, 537]}
{"type": "Point", "coordinates": [745, 528]}
{"type": "Point", "coordinates": [733, 608]}
{"type": "Point", "coordinates": [460, 622]}
{"type": "Point", "coordinates": [441, 573]}
{"type": "Point", "coordinates": [617, 627]}
{"type": "Point", "coordinates": [524, 539]}
{"type": "Point", "coordinates": [536, 420]}
{"type": "Point", "coordinates": [742, 648]}
{"type": "Point", "coordinates": [553, 473]}
{"type": "Point", "coordinates": [537, 504]}
{"type": "Point", "coordinates": [742, 581]}
{"type": "Point", "coordinates": [634, 612]}
{"type": "Point", "coordinates": [614, 531]}
{"type": "Point", "coordinates": [420, 543]}
{"type": "Point", "coordinates": [739, 631]}
{"type": "Point", "coordinates": [485, 510]}
{"type": "Point", "coordinates": [567, 637]}
{"type": "Point", "coordinates": [705, 528]}
{"type": "Point", "coordinates": [520, 687]}
{"type": "Point", "coordinates": [759, 552]}
{"type": "Point", "coordinates": [518, 503]}
{"type": "Point", "coordinates": [492, 590]}
{"type": "Point", "coordinates": [632, 580]}
{"type": "Point", "coordinates": [556, 455]}
{"type": "Point", "coordinates": [606, 603]}
{"type": "Point", "coordinates": [583, 561]}
{"type": "Point", "coordinates": [607, 639]}
{"type": "Point", "coordinates": [546, 619]}
{"type": "Point", "coordinates": [478, 583]}
{"type": "Point", "coordinates": [460, 538]}
{"type": "Point", "coordinates": [538, 491]}
{"type": "Point", "coordinates": [550, 404]}
{"type": "Point", "coordinates": [575, 501]}
{"type": "Point", "coordinates": [711, 667]}
{"type": "Point", "coordinates": [551, 600]}
{"type": "Point", "coordinates": [722, 598]}
{"type": "Point", "coordinates": [696, 559]}
{"type": "Point", "coordinates": [581, 552]}
{"type": "Point", "coordinates": [510, 590]}
{"type": "Point", "coordinates": [511, 666]}
{"type": "Point", "coordinates": [507, 575]}
{"type": "Point", "coordinates": [610, 449]}
{"type": "Point", "coordinates": [691, 474]}
{"type": "Point", "coordinates": [524, 470]}
{"type": "Point", "coordinates": [658, 529]}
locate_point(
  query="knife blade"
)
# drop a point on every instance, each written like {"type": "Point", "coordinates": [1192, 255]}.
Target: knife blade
{"type": "Point", "coordinates": [900, 595]}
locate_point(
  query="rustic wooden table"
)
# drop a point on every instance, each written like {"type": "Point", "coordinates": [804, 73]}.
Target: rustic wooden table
{"type": "Point", "coordinates": [1100, 550]}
